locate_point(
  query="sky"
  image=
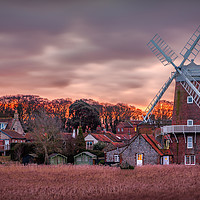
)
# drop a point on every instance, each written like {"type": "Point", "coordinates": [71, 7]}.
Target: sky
{"type": "Point", "coordinates": [91, 49]}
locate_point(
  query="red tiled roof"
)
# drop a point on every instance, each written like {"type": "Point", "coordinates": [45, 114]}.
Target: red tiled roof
{"type": "Point", "coordinates": [150, 140]}
{"type": "Point", "coordinates": [111, 136]}
{"type": "Point", "coordinates": [101, 137]}
{"type": "Point", "coordinates": [124, 136]}
{"type": "Point", "coordinates": [118, 144]}
{"type": "Point", "coordinates": [13, 134]}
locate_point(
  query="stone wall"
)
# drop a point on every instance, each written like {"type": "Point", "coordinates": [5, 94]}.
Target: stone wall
{"type": "Point", "coordinates": [140, 145]}
{"type": "Point", "coordinates": [109, 155]}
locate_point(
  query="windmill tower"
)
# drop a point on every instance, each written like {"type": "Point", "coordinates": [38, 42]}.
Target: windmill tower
{"type": "Point", "coordinates": [184, 133]}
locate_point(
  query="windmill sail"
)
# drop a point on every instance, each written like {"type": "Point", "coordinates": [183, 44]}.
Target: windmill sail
{"type": "Point", "coordinates": [192, 91]}
{"type": "Point", "coordinates": [157, 98]}
{"type": "Point", "coordinates": [161, 50]}
{"type": "Point", "coordinates": [166, 55]}
{"type": "Point", "coordinates": [192, 48]}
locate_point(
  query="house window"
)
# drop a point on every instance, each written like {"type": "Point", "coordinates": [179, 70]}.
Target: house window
{"type": "Point", "coordinates": [189, 122]}
{"type": "Point", "coordinates": [135, 129]}
{"type": "Point", "coordinates": [189, 160]}
{"type": "Point", "coordinates": [189, 99]}
{"type": "Point", "coordinates": [189, 142]}
{"type": "Point", "coordinates": [2, 126]}
{"type": "Point", "coordinates": [122, 129]}
{"type": "Point", "coordinates": [116, 158]}
{"type": "Point", "coordinates": [118, 129]}
{"type": "Point", "coordinates": [166, 144]}
{"type": "Point", "coordinates": [89, 145]}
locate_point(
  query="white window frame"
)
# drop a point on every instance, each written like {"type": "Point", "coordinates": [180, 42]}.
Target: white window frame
{"type": "Point", "coordinates": [188, 99]}
{"type": "Point", "coordinates": [189, 143]}
{"type": "Point", "coordinates": [89, 145]}
{"type": "Point", "coordinates": [116, 158]}
{"type": "Point", "coordinates": [189, 122]}
{"type": "Point", "coordinates": [190, 156]}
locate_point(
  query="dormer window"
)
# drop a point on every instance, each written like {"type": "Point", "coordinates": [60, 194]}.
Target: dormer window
{"type": "Point", "coordinates": [2, 126]}
{"type": "Point", "coordinates": [189, 99]}
{"type": "Point", "coordinates": [189, 122]}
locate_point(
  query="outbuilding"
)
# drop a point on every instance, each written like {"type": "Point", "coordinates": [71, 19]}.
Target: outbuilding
{"type": "Point", "coordinates": [56, 159]}
{"type": "Point", "coordinates": [85, 158]}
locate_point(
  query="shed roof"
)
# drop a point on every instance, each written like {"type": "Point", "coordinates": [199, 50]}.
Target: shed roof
{"type": "Point", "coordinates": [87, 153]}
{"type": "Point", "coordinates": [56, 154]}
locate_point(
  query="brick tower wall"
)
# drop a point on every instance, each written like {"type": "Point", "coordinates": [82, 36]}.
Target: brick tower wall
{"type": "Point", "coordinates": [182, 110]}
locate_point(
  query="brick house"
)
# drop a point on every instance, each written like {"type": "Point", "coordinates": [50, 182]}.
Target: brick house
{"type": "Point", "coordinates": [7, 137]}
{"type": "Point", "coordinates": [106, 137]}
{"type": "Point", "coordinates": [145, 149]}
{"type": "Point", "coordinates": [12, 124]}
{"type": "Point", "coordinates": [127, 127]}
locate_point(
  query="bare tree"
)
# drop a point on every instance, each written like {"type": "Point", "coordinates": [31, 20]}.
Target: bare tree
{"type": "Point", "coordinates": [45, 129]}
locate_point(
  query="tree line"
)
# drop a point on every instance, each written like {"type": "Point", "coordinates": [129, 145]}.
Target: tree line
{"type": "Point", "coordinates": [72, 114]}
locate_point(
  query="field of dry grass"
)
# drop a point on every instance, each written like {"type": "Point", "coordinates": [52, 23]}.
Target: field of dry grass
{"type": "Point", "coordinates": [99, 182]}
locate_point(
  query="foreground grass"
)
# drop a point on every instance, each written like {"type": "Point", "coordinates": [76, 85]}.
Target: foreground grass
{"type": "Point", "coordinates": [97, 182]}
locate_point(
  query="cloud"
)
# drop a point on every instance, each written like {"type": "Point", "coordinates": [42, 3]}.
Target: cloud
{"type": "Point", "coordinates": [90, 49]}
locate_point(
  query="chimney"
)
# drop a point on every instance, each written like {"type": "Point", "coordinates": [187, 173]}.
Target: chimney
{"type": "Point", "coordinates": [16, 115]}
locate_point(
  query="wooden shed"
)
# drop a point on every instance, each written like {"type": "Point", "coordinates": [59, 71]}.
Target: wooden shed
{"type": "Point", "coordinates": [85, 158]}
{"type": "Point", "coordinates": [56, 158]}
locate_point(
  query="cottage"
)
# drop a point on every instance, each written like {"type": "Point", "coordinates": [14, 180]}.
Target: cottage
{"type": "Point", "coordinates": [112, 154]}
{"type": "Point", "coordinates": [56, 159]}
{"type": "Point", "coordinates": [143, 150]}
{"type": "Point", "coordinates": [12, 124]}
{"type": "Point", "coordinates": [106, 137]}
{"type": "Point", "coordinates": [93, 138]}
{"type": "Point", "coordinates": [7, 137]}
{"type": "Point", "coordinates": [127, 127]}
{"type": "Point", "coordinates": [85, 158]}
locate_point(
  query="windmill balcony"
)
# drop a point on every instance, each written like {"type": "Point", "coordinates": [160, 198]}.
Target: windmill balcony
{"type": "Point", "coordinates": [180, 129]}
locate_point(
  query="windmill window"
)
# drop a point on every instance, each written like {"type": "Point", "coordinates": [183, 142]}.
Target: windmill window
{"type": "Point", "coordinates": [189, 99]}
{"type": "Point", "coordinates": [189, 142]}
{"type": "Point", "coordinates": [189, 122]}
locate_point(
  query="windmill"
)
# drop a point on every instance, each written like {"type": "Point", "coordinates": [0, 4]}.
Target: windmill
{"type": "Point", "coordinates": [183, 74]}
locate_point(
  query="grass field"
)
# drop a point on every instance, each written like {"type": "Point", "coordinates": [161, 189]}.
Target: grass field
{"type": "Point", "coordinates": [99, 182]}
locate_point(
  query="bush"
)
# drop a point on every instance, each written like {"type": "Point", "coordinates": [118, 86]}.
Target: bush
{"type": "Point", "coordinates": [126, 165]}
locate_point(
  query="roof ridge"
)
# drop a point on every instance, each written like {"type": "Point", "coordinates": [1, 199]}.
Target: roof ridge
{"type": "Point", "coordinates": [132, 140]}
{"type": "Point", "coordinates": [152, 142]}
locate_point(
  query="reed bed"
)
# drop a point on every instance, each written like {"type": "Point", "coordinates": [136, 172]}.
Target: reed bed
{"type": "Point", "coordinates": [99, 182]}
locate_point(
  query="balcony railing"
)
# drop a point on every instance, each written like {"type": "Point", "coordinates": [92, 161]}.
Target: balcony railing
{"type": "Point", "coordinates": [180, 129]}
